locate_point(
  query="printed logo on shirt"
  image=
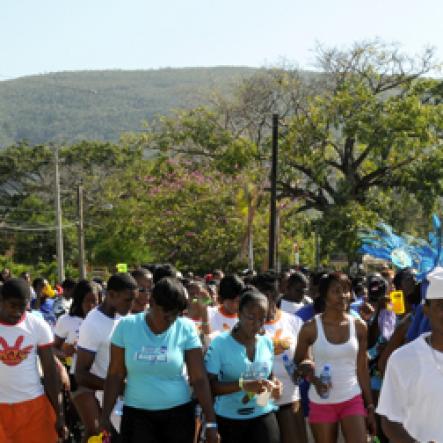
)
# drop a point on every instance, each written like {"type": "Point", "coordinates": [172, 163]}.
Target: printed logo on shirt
{"type": "Point", "coordinates": [152, 354]}
{"type": "Point", "coordinates": [245, 411]}
{"type": "Point", "coordinates": [281, 344]}
{"type": "Point", "coordinates": [13, 355]}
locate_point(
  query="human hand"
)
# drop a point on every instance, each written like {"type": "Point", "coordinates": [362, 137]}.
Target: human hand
{"type": "Point", "coordinates": [63, 375]}
{"type": "Point", "coordinates": [257, 386]}
{"type": "Point", "coordinates": [371, 422]}
{"type": "Point", "coordinates": [277, 390]}
{"type": "Point", "coordinates": [212, 436]}
{"type": "Point", "coordinates": [61, 428]}
{"type": "Point", "coordinates": [321, 388]}
{"type": "Point", "coordinates": [105, 425]}
{"type": "Point", "coordinates": [366, 311]}
{"type": "Point", "coordinates": [69, 349]}
{"type": "Point", "coordinates": [306, 369]}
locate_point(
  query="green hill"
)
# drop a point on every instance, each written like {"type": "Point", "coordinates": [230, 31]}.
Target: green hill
{"type": "Point", "coordinates": [100, 105]}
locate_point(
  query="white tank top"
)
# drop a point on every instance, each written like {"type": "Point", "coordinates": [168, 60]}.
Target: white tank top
{"type": "Point", "coordinates": [342, 359]}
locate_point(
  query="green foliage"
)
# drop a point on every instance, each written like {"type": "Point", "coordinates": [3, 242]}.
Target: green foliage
{"type": "Point", "coordinates": [360, 142]}
{"type": "Point", "coordinates": [68, 107]}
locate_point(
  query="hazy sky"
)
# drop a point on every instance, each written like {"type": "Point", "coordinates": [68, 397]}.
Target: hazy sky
{"type": "Point", "coordinates": [38, 36]}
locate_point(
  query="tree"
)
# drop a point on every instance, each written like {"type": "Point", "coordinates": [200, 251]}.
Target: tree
{"type": "Point", "coordinates": [27, 192]}
{"type": "Point", "coordinates": [171, 211]}
{"type": "Point", "coordinates": [370, 127]}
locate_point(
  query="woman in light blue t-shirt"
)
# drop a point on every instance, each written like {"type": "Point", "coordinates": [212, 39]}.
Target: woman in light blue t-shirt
{"type": "Point", "coordinates": [239, 364]}
{"type": "Point", "coordinates": [150, 351]}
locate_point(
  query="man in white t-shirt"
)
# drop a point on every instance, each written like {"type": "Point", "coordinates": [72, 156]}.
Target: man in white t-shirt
{"type": "Point", "coordinates": [411, 398]}
{"type": "Point", "coordinates": [29, 410]}
{"type": "Point", "coordinates": [296, 293]}
{"type": "Point", "coordinates": [94, 345]}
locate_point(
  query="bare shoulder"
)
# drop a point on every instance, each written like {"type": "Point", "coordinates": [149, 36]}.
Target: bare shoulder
{"type": "Point", "coordinates": [309, 330]}
{"type": "Point", "coordinates": [361, 327]}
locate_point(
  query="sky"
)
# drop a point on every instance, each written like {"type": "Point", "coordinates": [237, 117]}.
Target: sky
{"type": "Point", "coordinates": [40, 36]}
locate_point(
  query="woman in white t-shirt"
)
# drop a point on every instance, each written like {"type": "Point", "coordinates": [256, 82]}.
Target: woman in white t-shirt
{"type": "Point", "coordinates": [224, 317]}
{"type": "Point", "coordinates": [338, 341]}
{"type": "Point", "coordinates": [67, 328]}
{"type": "Point", "coordinates": [283, 328]}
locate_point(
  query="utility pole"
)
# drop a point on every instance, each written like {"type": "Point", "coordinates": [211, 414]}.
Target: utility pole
{"type": "Point", "coordinates": [250, 237]}
{"type": "Point", "coordinates": [58, 215]}
{"type": "Point", "coordinates": [81, 234]}
{"type": "Point", "coordinates": [317, 247]}
{"type": "Point", "coordinates": [273, 210]}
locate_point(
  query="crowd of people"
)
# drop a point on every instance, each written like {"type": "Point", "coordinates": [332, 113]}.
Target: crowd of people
{"type": "Point", "coordinates": [153, 356]}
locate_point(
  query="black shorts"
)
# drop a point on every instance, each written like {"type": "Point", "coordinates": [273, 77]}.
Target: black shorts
{"type": "Point", "coordinates": [175, 425]}
{"type": "Point", "coordinates": [262, 429]}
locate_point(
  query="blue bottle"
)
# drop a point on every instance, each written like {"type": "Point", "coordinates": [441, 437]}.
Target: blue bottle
{"type": "Point", "coordinates": [290, 367]}
{"type": "Point", "coordinates": [325, 378]}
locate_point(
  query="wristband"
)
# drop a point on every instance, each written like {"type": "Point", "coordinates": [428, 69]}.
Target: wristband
{"type": "Point", "coordinates": [211, 425]}
{"type": "Point", "coordinates": [240, 383]}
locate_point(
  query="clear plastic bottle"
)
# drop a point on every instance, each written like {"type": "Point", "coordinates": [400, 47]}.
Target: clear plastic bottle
{"type": "Point", "coordinates": [325, 378]}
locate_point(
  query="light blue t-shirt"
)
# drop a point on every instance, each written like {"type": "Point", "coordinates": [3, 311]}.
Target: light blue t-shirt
{"type": "Point", "coordinates": [227, 358]}
{"type": "Point", "coordinates": [154, 363]}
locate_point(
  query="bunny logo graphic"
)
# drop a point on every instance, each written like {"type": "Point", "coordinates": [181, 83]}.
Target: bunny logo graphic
{"type": "Point", "coordinates": [281, 344]}
{"type": "Point", "coordinates": [13, 355]}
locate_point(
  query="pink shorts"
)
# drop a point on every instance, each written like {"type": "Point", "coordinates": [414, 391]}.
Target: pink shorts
{"type": "Point", "coordinates": [334, 412]}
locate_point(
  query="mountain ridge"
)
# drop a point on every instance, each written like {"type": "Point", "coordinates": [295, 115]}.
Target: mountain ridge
{"type": "Point", "coordinates": [70, 106]}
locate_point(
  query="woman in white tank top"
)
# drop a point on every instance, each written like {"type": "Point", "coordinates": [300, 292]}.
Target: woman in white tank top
{"type": "Point", "coordinates": [338, 340]}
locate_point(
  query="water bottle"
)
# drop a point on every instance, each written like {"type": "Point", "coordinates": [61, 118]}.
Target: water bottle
{"type": "Point", "coordinates": [289, 365]}
{"type": "Point", "coordinates": [325, 378]}
{"type": "Point", "coordinates": [118, 408]}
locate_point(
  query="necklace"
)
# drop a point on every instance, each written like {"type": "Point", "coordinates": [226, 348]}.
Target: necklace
{"type": "Point", "coordinates": [434, 355]}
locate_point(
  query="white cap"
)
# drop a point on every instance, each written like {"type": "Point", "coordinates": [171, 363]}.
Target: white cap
{"type": "Point", "coordinates": [435, 288]}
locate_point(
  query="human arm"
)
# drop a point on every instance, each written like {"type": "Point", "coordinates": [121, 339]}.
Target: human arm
{"type": "Point", "coordinates": [113, 385]}
{"type": "Point", "coordinates": [394, 402]}
{"type": "Point", "coordinates": [88, 344]}
{"type": "Point", "coordinates": [83, 376]}
{"type": "Point", "coordinates": [63, 349]}
{"type": "Point", "coordinates": [51, 383]}
{"type": "Point", "coordinates": [363, 374]}
{"type": "Point", "coordinates": [214, 359]}
{"type": "Point", "coordinates": [199, 381]}
{"type": "Point", "coordinates": [398, 339]}
{"type": "Point", "coordinates": [302, 357]}
{"type": "Point", "coordinates": [373, 328]}
{"type": "Point", "coordinates": [203, 297]}
{"type": "Point", "coordinates": [277, 389]}
{"type": "Point", "coordinates": [62, 374]}
{"type": "Point", "coordinates": [395, 432]}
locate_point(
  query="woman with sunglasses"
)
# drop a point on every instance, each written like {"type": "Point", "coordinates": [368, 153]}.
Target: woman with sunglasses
{"type": "Point", "coordinates": [239, 364]}
{"type": "Point", "coordinates": [143, 277]}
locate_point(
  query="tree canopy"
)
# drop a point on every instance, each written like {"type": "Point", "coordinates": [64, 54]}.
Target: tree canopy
{"type": "Point", "coordinates": [360, 142]}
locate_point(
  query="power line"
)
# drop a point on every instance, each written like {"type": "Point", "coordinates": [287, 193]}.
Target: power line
{"type": "Point", "coordinates": [5, 227]}
{"type": "Point", "coordinates": [15, 208]}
